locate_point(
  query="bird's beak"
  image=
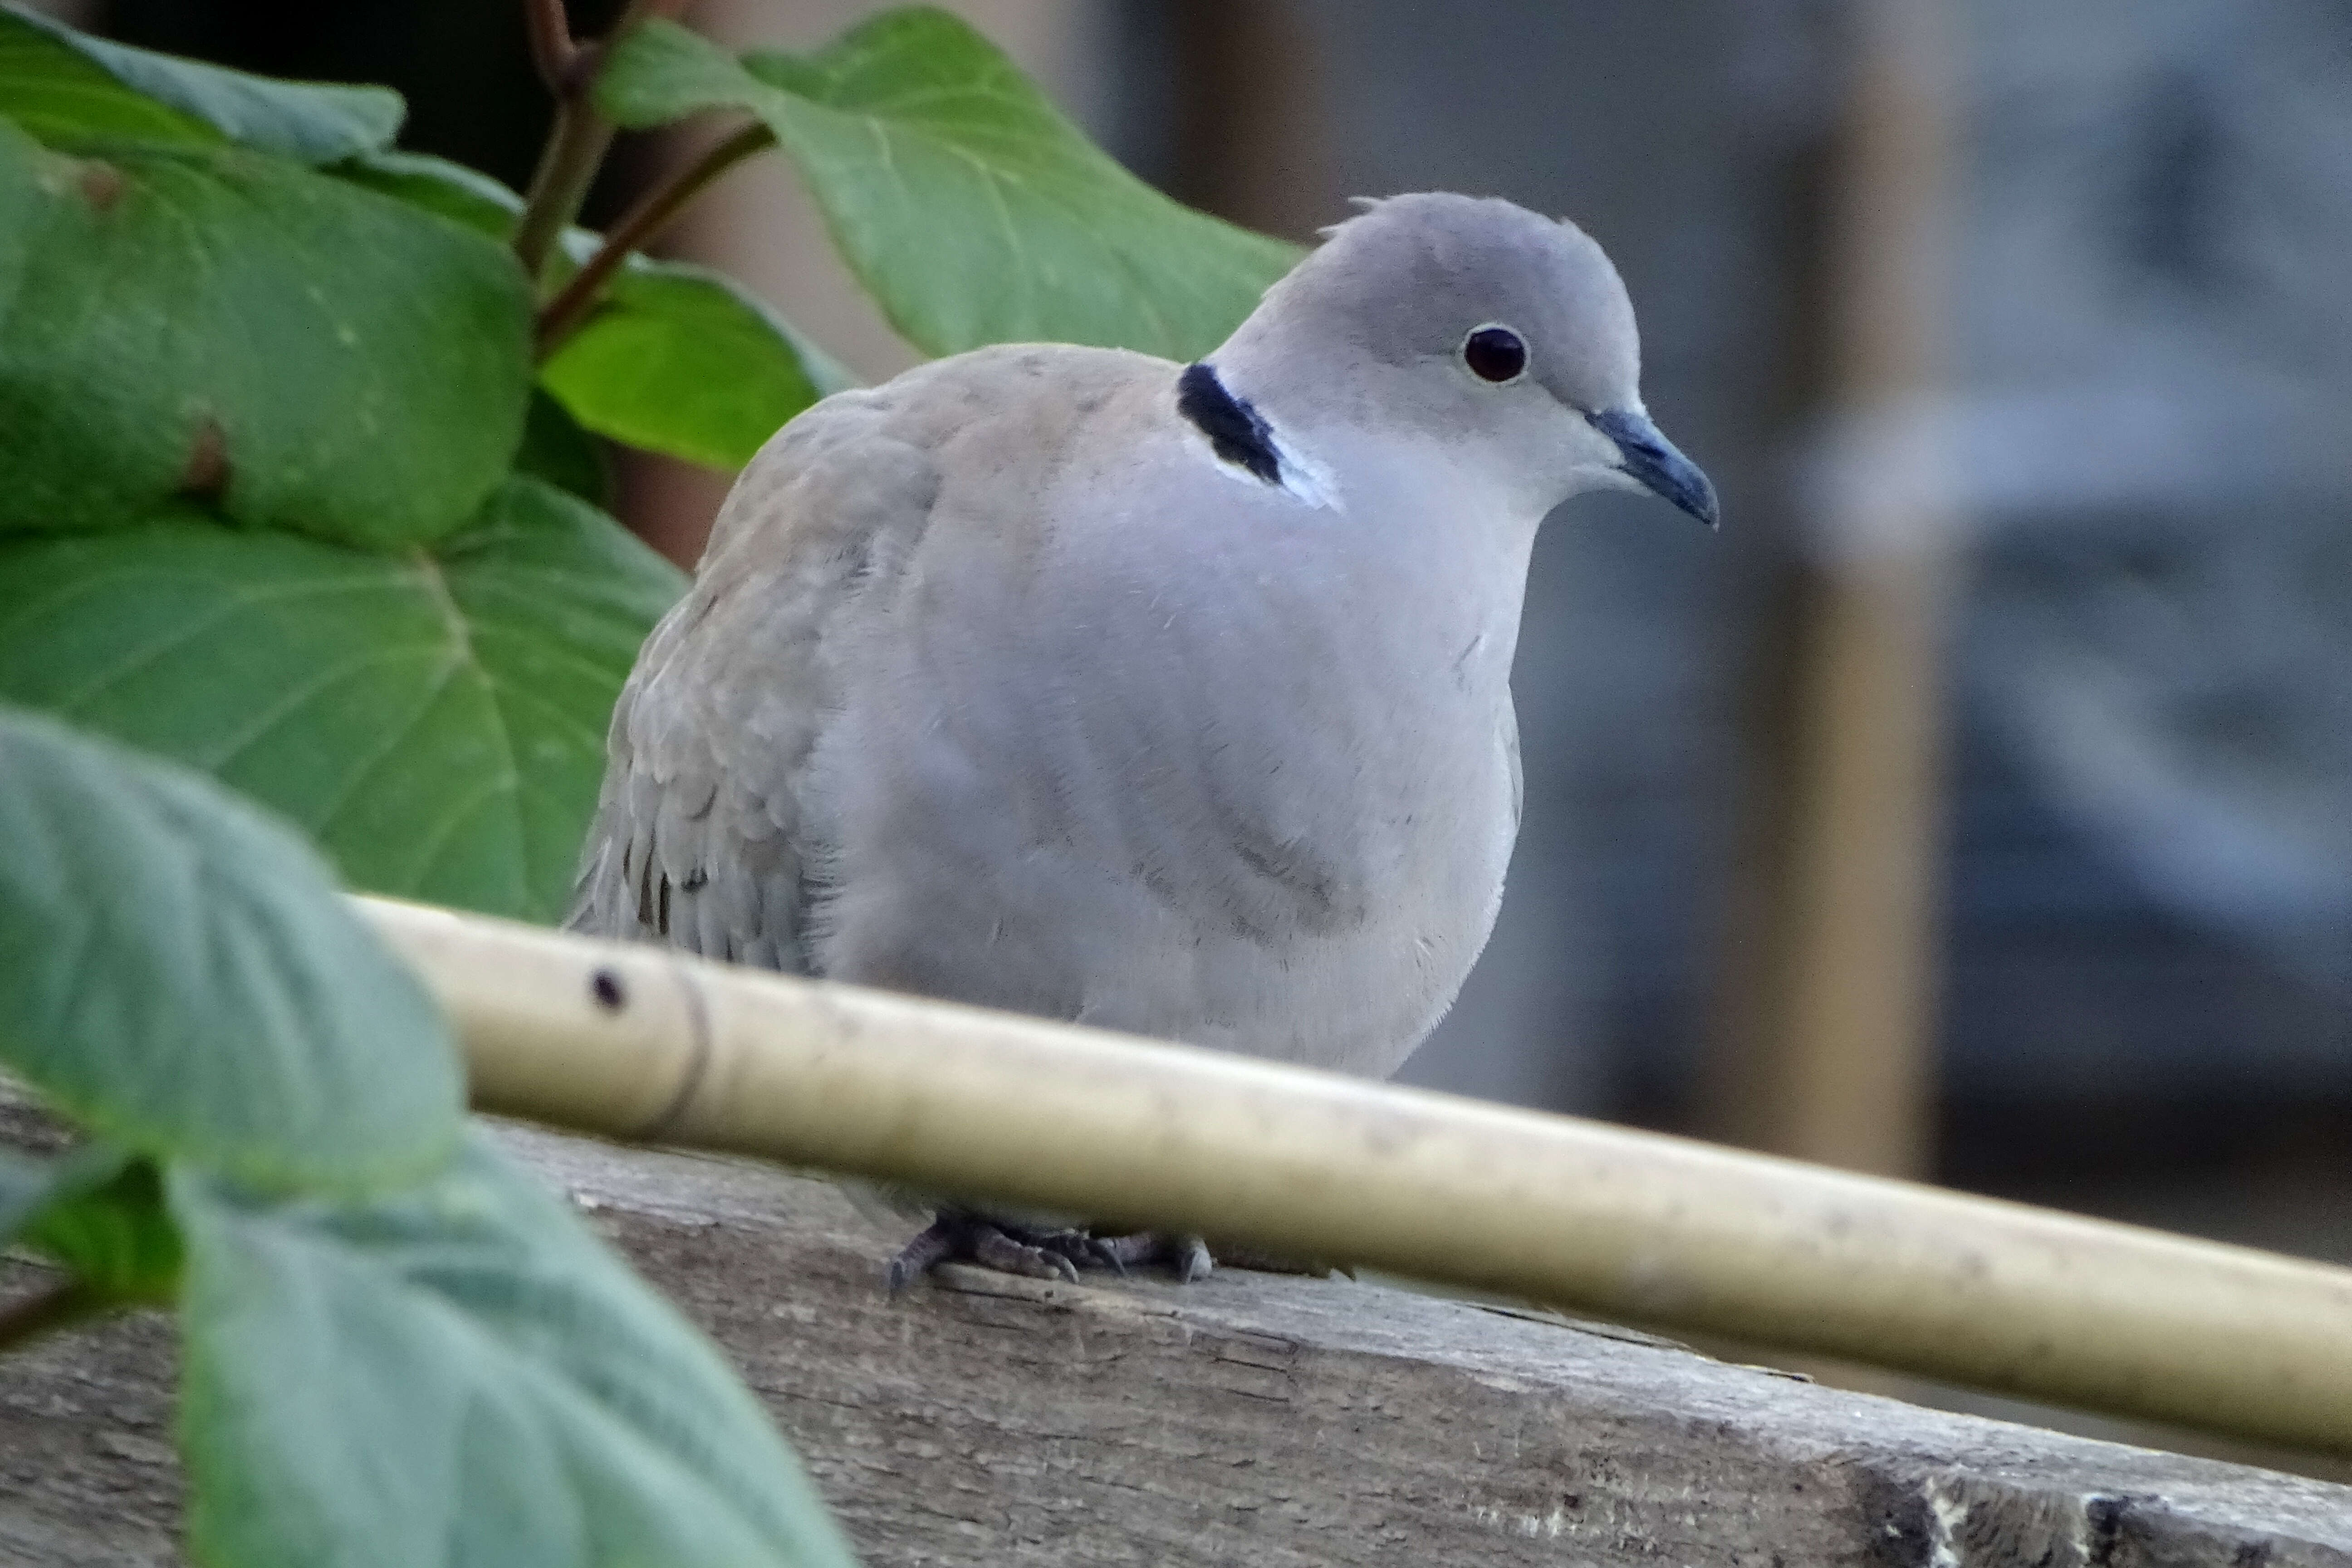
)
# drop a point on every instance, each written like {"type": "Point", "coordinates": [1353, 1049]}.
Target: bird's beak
{"type": "Point", "coordinates": [1650, 460]}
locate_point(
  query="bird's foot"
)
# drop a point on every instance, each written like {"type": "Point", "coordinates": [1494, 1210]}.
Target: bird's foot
{"type": "Point", "coordinates": [1187, 1255]}
{"type": "Point", "coordinates": [957, 1236]}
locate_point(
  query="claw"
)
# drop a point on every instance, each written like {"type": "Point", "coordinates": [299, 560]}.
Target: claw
{"type": "Point", "coordinates": [998, 1251]}
{"type": "Point", "coordinates": [1187, 1255]}
{"type": "Point", "coordinates": [1039, 1254]}
{"type": "Point", "coordinates": [957, 1235]}
{"type": "Point", "coordinates": [940, 1240]}
{"type": "Point", "coordinates": [1191, 1259]}
{"type": "Point", "coordinates": [1085, 1250]}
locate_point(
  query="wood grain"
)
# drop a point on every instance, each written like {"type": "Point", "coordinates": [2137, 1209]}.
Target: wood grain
{"type": "Point", "coordinates": [1267, 1419]}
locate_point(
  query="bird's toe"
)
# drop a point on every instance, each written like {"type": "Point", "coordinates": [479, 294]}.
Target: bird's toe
{"type": "Point", "coordinates": [1188, 1255]}
{"type": "Point", "coordinates": [943, 1238]}
{"type": "Point", "coordinates": [996, 1250]}
{"type": "Point", "coordinates": [960, 1236]}
{"type": "Point", "coordinates": [1191, 1259]}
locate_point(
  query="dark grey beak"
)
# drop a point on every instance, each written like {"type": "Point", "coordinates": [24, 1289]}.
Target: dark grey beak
{"type": "Point", "coordinates": [1649, 458]}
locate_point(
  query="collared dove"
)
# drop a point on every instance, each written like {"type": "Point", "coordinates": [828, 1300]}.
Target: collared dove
{"type": "Point", "coordinates": [1169, 698]}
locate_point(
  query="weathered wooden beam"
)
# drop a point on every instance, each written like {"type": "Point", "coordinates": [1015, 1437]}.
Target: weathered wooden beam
{"type": "Point", "coordinates": [1254, 1418]}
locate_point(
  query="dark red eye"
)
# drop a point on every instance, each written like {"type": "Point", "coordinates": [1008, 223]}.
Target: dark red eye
{"type": "Point", "coordinates": [1495, 353]}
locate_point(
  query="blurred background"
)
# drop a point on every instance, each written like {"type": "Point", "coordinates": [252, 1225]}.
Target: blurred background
{"type": "Point", "coordinates": [1977, 805]}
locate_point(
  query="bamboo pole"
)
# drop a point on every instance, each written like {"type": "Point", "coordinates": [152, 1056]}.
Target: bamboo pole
{"type": "Point", "coordinates": [641, 1043]}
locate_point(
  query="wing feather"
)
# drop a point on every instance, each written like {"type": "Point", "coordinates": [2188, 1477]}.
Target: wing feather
{"type": "Point", "coordinates": [702, 837]}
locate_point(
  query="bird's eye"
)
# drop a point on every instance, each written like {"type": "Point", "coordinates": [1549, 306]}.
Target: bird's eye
{"type": "Point", "coordinates": [1494, 354]}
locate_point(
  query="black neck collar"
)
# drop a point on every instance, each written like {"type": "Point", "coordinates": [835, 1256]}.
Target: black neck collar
{"type": "Point", "coordinates": [1237, 433]}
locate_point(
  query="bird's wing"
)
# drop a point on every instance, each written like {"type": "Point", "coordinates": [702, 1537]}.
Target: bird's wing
{"type": "Point", "coordinates": [703, 838]}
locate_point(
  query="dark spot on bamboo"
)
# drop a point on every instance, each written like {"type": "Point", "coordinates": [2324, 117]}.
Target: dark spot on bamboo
{"type": "Point", "coordinates": [610, 995]}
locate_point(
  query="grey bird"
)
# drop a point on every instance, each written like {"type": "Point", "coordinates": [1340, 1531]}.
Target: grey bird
{"type": "Point", "coordinates": [1169, 698]}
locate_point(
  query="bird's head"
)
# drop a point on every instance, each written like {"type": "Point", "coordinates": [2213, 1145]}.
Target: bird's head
{"type": "Point", "coordinates": [1504, 333]}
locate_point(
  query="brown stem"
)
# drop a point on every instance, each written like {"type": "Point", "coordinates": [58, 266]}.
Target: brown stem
{"type": "Point", "coordinates": [575, 149]}
{"type": "Point", "coordinates": [44, 1312]}
{"type": "Point", "coordinates": [551, 48]}
{"type": "Point", "coordinates": [577, 142]}
{"type": "Point", "coordinates": [638, 228]}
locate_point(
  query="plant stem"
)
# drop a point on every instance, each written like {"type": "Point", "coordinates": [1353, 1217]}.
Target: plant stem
{"type": "Point", "coordinates": [575, 149]}
{"type": "Point", "coordinates": [638, 228]}
{"type": "Point", "coordinates": [577, 142]}
{"type": "Point", "coordinates": [551, 48]}
{"type": "Point", "coordinates": [43, 1311]}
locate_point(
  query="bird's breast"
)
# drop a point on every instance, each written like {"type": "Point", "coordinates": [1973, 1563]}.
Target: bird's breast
{"type": "Point", "coordinates": [1248, 792]}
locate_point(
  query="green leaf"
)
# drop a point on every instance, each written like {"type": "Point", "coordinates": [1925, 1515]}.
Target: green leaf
{"type": "Point", "coordinates": [681, 360]}
{"type": "Point", "coordinates": [435, 722]}
{"type": "Point", "coordinates": [28, 1181]}
{"type": "Point", "coordinates": [213, 322]}
{"type": "Point", "coordinates": [971, 210]}
{"type": "Point", "coordinates": [59, 94]}
{"type": "Point", "coordinates": [556, 449]}
{"type": "Point", "coordinates": [184, 979]}
{"type": "Point", "coordinates": [108, 1224]}
{"type": "Point", "coordinates": [461, 1375]}
{"type": "Point", "coordinates": [98, 1211]}
{"type": "Point", "coordinates": [676, 359]}
{"type": "Point", "coordinates": [65, 86]}
{"type": "Point", "coordinates": [436, 184]}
